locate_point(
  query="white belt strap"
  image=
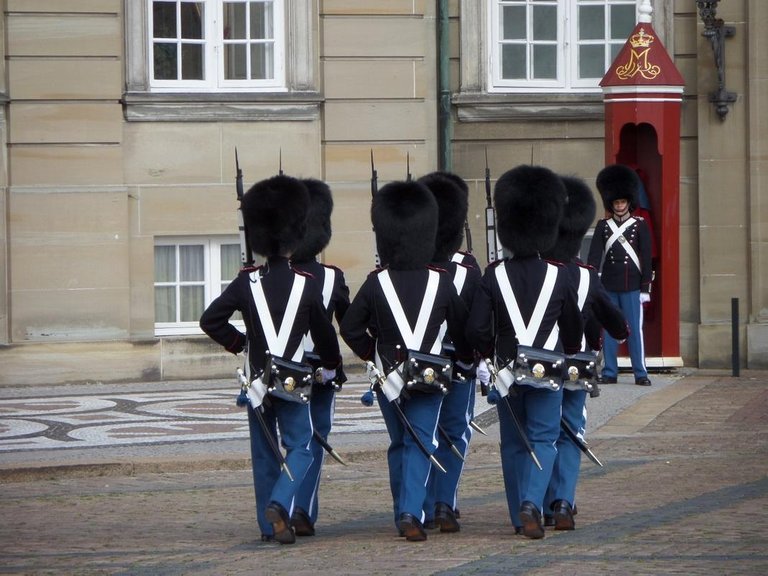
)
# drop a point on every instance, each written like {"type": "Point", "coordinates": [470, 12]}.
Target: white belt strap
{"type": "Point", "coordinates": [460, 278]}
{"type": "Point", "coordinates": [413, 338]}
{"type": "Point", "coordinates": [526, 334]}
{"type": "Point", "coordinates": [582, 292]}
{"type": "Point", "coordinates": [328, 280]}
{"type": "Point", "coordinates": [458, 282]}
{"type": "Point", "coordinates": [617, 234]}
{"type": "Point", "coordinates": [277, 341]}
{"type": "Point", "coordinates": [457, 257]}
{"type": "Point", "coordinates": [393, 382]}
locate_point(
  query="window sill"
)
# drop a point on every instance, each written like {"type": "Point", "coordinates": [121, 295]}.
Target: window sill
{"type": "Point", "coordinates": [222, 106]}
{"type": "Point", "coordinates": [485, 107]}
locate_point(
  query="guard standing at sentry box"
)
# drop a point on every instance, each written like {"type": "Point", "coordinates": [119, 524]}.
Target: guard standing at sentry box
{"type": "Point", "coordinates": [621, 252]}
{"type": "Point", "coordinates": [518, 303]}
{"type": "Point", "coordinates": [395, 317]}
{"type": "Point", "coordinates": [598, 312]}
{"type": "Point", "coordinates": [336, 301]}
{"type": "Point", "coordinates": [279, 306]}
{"type": "Point", "coordinates": [455, 432]}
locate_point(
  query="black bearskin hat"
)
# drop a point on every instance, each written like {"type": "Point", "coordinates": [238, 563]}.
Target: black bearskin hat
{"type": "Point", "coordinates": [529, 204]}
{"type": "Point", "coordinates": [275, 215]}
{"type": "Point", "coordinates": [452, 203]}
{"type": "Point", "coordinates": [578, 215]}
{"type": "Point", "coordinates": [318, 221]}
{"type": "Point", "coordinates": [618, 182]}
{"type": "Point", "coordinates": [404, 217]}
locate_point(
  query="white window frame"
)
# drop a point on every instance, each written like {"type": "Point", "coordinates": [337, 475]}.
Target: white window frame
{"type": "Point", "coordinates": [214, 283]}
{"type": "Point", "coordinates": [298, 100]}
{"type": "Point", "coordinates": [567, 62]}
{"type": "Point", "coordinates": [213, 52]}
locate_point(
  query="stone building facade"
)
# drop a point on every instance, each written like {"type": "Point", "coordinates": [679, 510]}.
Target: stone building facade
{"type": "Point", "coordinates": [106, 172]}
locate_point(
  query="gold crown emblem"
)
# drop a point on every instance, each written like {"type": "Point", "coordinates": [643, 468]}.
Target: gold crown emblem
{"type": "Point", "coordinates": [641, 39]}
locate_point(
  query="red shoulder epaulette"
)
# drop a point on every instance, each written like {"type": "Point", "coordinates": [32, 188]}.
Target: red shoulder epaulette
{"type": "Point", "coordinates": [555, 262]}
{"type": "Point", "coordinates": [583, 264]}
{"type": "Point", "coordinates": [332, 266]}
{"type": "Point", "coordinates": [495, 263]}
{"type": "Point", "coordinates": [436, 268]}
{"type": "Point", "coordinates": [464, 265]}
{"type": "Point", "coordinates": [251, 268]}
{"type": "Point", "coordinates": [303, 273]}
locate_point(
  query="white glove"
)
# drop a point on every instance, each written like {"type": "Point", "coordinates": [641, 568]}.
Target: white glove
{"type": "Point", "coordinates": [328, 374]}
{"type": "Point", "coordinates": [645, 297]}
{"type": "Point", "coordinates": [483, 374]}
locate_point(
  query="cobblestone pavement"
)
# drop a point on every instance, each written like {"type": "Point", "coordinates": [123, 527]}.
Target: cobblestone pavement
{"type": "Point", "coordinates": [684, 490]}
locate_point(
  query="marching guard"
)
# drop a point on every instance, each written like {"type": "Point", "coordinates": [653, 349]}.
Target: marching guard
{"type": "Point", "coordinates": [336, 301]}
{"type": "Point", "coordinates": [458, 406]}
{"type": "Point", "coordinates": [394, 323]}
{"type": "Point", "coordinates": [279, 305]}
{"type": "Point", "coordinates": [597, 312]}
{"type": "Point", "coordinates": [512, 322]}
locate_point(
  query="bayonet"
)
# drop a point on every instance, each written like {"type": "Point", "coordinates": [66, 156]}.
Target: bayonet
{"type": "Point", "coordinates": [475, 426]}
{"type": "Point", "coordinates": [580, 442]}
{"type": "Point", "coordinates": [257, 410]}
{"type": "Point", "coordinates": [515, 420]}
{"type": "Point", "coordinates": [377, 379]}
{"type": "Point", "coordinates": [328, 448]}
{"type": "Point", "coordinates": [447, 438]}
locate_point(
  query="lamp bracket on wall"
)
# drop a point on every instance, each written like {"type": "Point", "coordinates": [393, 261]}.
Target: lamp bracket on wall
{"type": "Point", "coordinates": [716, 31]}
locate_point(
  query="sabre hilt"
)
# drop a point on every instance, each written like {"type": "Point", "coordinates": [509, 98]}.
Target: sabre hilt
{"type": "Point", "coordinates": [493, 394]}
{"type": "Point", "coordinates": [242, 398]}
{"type": "Point", "coordinates": [375, 378]}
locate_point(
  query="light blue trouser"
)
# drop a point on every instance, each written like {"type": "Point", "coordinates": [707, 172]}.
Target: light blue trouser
{"type": "Point", "coordinates": [321, 407]}
{"type": "Point", "coordinates": [538, 411]}
{"type": "Point", "coordinates": [565, 473]}
{"type": "Point", "coordinates": [409, 468]}
{"type": "Point", "coordinates": [629, 303]}
{"type": "Point", "coordinates": [270, 483]}
{"type": "Point", "coordinates": [455, 414]}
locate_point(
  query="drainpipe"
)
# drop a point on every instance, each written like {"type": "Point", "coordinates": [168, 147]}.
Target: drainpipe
{"type": "Point", "coordinates": [445, 159]}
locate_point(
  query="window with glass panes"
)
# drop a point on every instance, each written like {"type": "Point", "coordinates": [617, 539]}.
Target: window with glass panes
{"type": "Point", "coordinates": [216, 44]}
{"type": "Point", "coordinates": [556, 45]}
{"type": "Point", "coordinates": [189, 274]}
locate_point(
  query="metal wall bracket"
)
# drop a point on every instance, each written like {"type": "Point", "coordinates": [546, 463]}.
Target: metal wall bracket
{"type": "Point", "coordinates": [716, 31]}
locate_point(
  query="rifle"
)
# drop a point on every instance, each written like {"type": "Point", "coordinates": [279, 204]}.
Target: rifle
{"type": "Point", "coordinates": [280, 163]}
{"type": "Point", "coordinates": [468, 235]}
{"type": "Point", "coordinates": [374, 190]}
{"type": "Point", "coordinates": [246, 255]}
{"type": "Point", "coordinates": [492, 239]}
{"type": "Point", "coordinates": [408, 177]}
